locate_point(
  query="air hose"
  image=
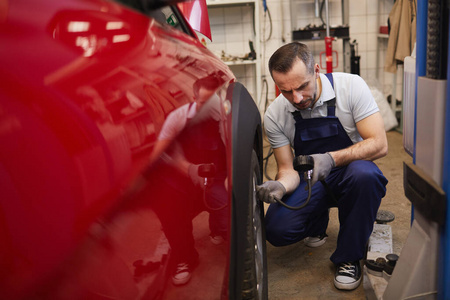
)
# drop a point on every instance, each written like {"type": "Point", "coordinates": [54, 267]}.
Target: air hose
{"type": "Point", "coordinates": [302, 164]}
{"type": "Point", "coordinates": [207, 171]}
{"type": "Point", "coordinates": [305, 164]}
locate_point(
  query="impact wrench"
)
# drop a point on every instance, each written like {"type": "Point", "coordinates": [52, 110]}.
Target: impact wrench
{"type": "Point", "coordinates": [207, 172]}
{"type": "Point", "coordinates": [305, 164]}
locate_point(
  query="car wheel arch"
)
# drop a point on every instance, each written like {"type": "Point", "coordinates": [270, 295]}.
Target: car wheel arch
{"type": "Point", "coordinates": [246, 139]}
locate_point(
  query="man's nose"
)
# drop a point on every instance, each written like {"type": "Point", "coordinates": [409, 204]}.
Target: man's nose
{"type": "Point", "coordinates": [298, 96]}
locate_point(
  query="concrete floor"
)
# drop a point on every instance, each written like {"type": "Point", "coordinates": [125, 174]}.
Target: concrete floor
{"type": "Point", "coordinates": [299, 272]}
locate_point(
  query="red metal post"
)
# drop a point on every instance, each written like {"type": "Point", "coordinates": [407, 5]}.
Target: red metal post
{"type": "Point", "coordinates": [329, 53]}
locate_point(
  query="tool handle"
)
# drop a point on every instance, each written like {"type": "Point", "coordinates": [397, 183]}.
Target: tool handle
{"type": "Point", "coordinates": [303, 163]}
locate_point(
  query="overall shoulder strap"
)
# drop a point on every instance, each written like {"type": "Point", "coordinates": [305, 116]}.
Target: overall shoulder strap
{"type": "Point", "coordinates": [331, 105]}
{"type": "Point", "coordinates": [297, 114]}
{"type": "Point", "coordinates": [330, 78]}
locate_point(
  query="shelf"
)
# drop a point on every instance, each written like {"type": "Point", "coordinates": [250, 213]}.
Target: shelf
{"type": "Point", "coordinates": [341, 32]}
{"type": "Point", "coordinates": [383, 36]}
{"type": "Point", "coordinates": [255, 70]}
{"type": "Point", "coordinates": [240, 62]}
{"type": "Point", "coordinates": [319, 33]}
{"type": "Point", "coordinates": [221, 3]}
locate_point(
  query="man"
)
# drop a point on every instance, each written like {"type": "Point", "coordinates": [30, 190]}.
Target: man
{"type": "Point", "coordinates": [198, 130]}
{"type": "Point", "coordinates": [338, 123]}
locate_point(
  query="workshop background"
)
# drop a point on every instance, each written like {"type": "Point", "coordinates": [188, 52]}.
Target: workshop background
{"type": "Point", "coordinates": [245, 33]}
{"type": "Point", "coordinates": [271, 23]}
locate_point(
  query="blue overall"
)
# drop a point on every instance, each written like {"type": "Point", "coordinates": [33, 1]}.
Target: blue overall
{"type": "Point", "coordinates": [357, 187]}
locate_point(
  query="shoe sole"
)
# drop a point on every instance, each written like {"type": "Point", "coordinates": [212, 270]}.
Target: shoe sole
{"type": "Point", "coordinates": [181, 281]}
{"type": "Point", "coordinates": [216, 241]}
{"type": "Point", "coordinates": [316, 244]}
{"type": "Point", "coordinates": [347, 286]}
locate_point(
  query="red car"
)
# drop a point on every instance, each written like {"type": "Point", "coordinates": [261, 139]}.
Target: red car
{"type": "Point", "coordinates": [128, 158]}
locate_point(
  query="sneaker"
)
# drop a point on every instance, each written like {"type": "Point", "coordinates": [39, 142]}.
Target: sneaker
{"type": "Point", "coordinates": [347, 276]}
{"type": "Point", "coordinates": [315, 241]}
{"type": "Point", "coordinates": [183, 273]}
{"type": "Point", "coordinates": [217, 239]}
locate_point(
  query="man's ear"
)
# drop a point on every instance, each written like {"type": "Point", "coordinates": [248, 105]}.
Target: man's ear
{"type": "Point", "coordinates": [316, 70]}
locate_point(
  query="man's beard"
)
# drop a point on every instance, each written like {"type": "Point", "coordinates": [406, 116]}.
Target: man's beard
{"type": "Point", "coordinates": [310, 103]}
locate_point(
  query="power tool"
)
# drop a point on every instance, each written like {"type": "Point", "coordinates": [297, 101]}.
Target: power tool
{"type": "Point", "coordinates": [305, 164]}
{"type": "Point", "coordinates": [207, 172]}
{"type": "Point", "coordinates": [302, 164]}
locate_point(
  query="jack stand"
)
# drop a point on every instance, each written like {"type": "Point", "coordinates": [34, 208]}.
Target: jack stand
{"type": "Point", "coordinates": [328, 45]}
{"type": "Point", "coordinates": [380, 260]}
{"type": "Point", "coordinates": [329, 51]}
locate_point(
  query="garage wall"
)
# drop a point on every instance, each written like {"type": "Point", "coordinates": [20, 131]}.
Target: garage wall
{"type": "Point", "coordinates": [232, 29]}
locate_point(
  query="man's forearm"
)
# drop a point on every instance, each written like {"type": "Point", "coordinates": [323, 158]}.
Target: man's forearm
{"type": "Point", "coordinates": [369, 149]}
{"type": "Point", "coordinates": [289, 179]}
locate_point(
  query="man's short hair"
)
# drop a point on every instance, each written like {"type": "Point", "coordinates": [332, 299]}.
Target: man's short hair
{"type": "Point", "coordinates": [283, 59]}
{"type": "Point", "coordinates": [210, 82]}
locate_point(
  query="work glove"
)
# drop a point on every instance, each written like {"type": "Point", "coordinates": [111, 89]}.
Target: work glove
{"type": "Point", "coordinates": [323, 163]}
{"type": "Point", "coordinates": [195, 178]}
{"type": "Point", "coordinates": [270, 190]}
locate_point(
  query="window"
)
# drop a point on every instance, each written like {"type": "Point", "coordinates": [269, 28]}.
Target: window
{"type": "Point", "coordinates": [165, 15]}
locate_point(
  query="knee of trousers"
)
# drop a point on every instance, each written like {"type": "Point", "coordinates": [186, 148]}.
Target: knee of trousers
{"type": "Point", "coordinates": [366, 175]}
{"type": "Point", "coordinates": [282, 234]}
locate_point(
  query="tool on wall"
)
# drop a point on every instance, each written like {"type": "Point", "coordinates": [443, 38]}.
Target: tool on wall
{"type": "Point", "coordinates": [354, 58]}
{"type": "Point", "coordinates": [252, 54]}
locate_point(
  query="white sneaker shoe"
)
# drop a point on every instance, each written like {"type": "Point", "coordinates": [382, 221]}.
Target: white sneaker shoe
{"type": "Point", "coordinates": [217, 239]}
{"type": "Point", "coordinates": [347, 276]}
{"type": "Point", "coordinates": [315, 241]}
{"type": "Point", "coordinates": [183, 272]}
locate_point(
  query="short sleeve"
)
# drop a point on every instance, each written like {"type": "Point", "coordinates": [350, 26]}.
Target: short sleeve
{"type": "Point", "coordinates": [362, 103]}
{"type": "Point", "coordinates": [274, 131]}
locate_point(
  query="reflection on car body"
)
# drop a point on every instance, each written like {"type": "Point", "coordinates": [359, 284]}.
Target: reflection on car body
{"type": "Point", "coordinates": [100, 198]}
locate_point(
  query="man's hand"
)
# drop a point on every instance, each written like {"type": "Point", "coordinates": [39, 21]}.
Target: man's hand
{"type": "Point", "coordinates": [323, 163]}
{"type": "Point", "coordinates": [270, 190]}
{"type": "Point", "coordinates": [195, 178]}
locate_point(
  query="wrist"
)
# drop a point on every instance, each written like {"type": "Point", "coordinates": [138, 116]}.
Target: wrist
{"type": "Point", "coordinates": [290, 179]}
{"type": "Point", "coordinates": [332, 159]}
{"type": "Point", "coordinates": [284, 185]}
{"type": "Point", "coordinates": [192, 170]}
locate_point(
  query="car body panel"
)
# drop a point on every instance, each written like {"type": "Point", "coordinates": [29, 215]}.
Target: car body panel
{"type": "Point", "coordinates": [196, 12]}
{"type": "Point", "coordinates": [89, 190]}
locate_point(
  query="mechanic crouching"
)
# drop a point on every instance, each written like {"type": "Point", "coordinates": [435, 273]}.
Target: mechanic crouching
{"type": "Point", "coordinates": [335, 119]}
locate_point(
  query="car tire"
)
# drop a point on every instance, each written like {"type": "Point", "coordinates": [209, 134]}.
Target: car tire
{"type": "Point", "coordinates": [248, 266]}
{"type": "Point", "coordinates": [255, 266]}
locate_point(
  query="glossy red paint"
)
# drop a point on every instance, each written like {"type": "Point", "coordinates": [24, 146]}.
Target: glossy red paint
{"type": "Point", "coordinates": [97, 200]}
{"type": "Point", "coordinates": [196, 13]}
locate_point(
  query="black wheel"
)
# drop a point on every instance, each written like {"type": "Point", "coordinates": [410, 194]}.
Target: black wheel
{"type": "Point", "coordinates": [255, 265]}
{"type": "Point", "coordinates": [248, 267]}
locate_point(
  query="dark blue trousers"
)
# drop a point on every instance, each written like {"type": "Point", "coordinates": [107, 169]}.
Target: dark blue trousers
{"type": "Point", "coordinates": [358, 189]}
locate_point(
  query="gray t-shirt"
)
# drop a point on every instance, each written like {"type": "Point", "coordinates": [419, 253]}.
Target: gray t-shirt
{"type": "Point", "coordinates": [354, 102]}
